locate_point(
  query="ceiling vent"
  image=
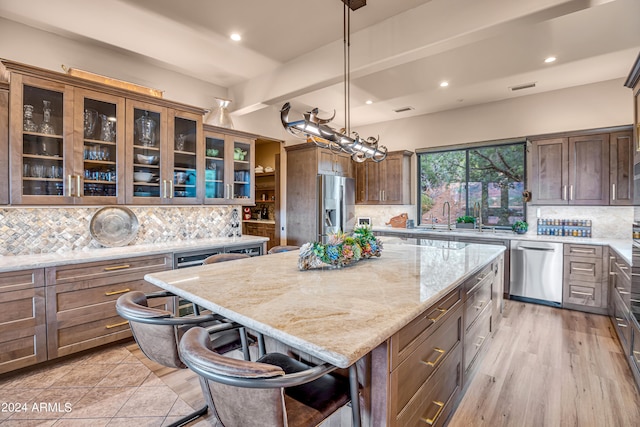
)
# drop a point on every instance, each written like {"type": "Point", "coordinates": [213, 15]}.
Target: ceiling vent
{"type": "Point", "coordinates": [523, 86]}
{"type": "Point", "coordinates": [403, 109]}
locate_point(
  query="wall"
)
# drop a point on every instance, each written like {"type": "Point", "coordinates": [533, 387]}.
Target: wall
{"type": "Point", "coordinates": [39, 48]}
{"type": "Point", "coordinates": [25, 231]}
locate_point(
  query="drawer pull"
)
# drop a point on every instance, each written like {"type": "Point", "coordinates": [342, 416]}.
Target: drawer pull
{"type": "Point", "coordinates": [480, 341]}
{"type": "Point", "coordinates": [622, 325]}
{"type": "Point", "coordinates": [435, 362]}
{"type": "Point", "coordinates": [586, 294]}
{"type": "Point", "coordinates": [636, 356]}
{"type": "Point", "coordinates": [121, 291]}
{"type": "Point", "coordinates": [480, 305]}
{"type": "Point", "coordinates": [583, 251]}
{"type": "Point", "coordinates": [623, 292]}
{"type": "Point", "coordinates": [442, 311]}
{"type": "Point", "coordinates": [432, 420]}
{"type": "Point", "coordinates": [115, 325]}
{"type": "Point", "coordinates": [590, 270]}
{"type": "Point", "coordinates": [117, 267]}
{"type": "Point", "coordinates": [622, 267]}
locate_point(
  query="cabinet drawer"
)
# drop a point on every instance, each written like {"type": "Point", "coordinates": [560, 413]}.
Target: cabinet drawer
{"type": "Point", "coordinates": [583, 293]}
{"type": "Point", "coordinates": [409, 337]}
{"type": "Point", "coordinates": [635, 349]}
{"type": "Point", "coordinates": [476, 339]}
{"type": "Point", "coordinates": [583, 269]}
{"type": "Point", "coordinates": [84, 318]}
{"type": "Point", "coordinates": [416, 369]}
{"type": "Point", "coordinates": [478, 300]}
{"type": "Point", "coordinates": [25, 279]}
{"type": "Point", "coordinates": [480, 279]}
{"type": "Point", "coordinates": [434, 401]}
{"type": "Point", "coordinates": [109, 271]}
{"type": "Point", "coordinates": [621, 322]}
{"type": "Point", "coordinates": [22, 329]}
{"type": "Point", "coordinates": [592, 251]}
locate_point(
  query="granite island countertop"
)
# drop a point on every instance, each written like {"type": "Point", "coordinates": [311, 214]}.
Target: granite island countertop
{"type": "Point", "coordinates": [621, 246]}
{"type": "Point", "coordinates": [337, 315]}
{"type": "Point", "coordinates": [22, 262]}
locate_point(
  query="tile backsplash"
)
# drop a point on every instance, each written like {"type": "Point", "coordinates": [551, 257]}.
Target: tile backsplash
{"type": "Point", "coordinates": [613, 222]}
{"type": "Point", "coordinates": [25, 231]}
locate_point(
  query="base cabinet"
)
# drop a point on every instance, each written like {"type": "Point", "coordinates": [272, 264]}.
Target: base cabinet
{"type": "Point", "coordinates": [420, 373]}
{"type": "Point", "coordinates": [81, 299]}
{"type": "Point", "coordinates": [263, 230]}
{"type": "Point", "coordinates": [584, 279]}
{"type": "Point", "coordinates": [23, 328]}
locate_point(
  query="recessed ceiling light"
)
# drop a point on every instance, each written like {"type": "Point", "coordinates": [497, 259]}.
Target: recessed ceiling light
{"type": "Point", "coordinates": [235, 37]}
{"type": "Point", "coordinates": [550, 59]}
{"type": "Point", "coordinates": [368, 102]}
{"type": "Point", "coordinates": [444, 84]}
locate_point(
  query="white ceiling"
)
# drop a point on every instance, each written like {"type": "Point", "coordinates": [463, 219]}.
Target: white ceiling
{"type": "Point", "coordinates": [292, 50]}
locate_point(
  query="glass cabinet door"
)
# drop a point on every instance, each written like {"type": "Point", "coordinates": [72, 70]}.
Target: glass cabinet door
{"type": "Point", "coordinates": [243, 173]}
{"type": "Point", "coordinates": [216, 187]}
{"type": "Point", "coordinates": [102, 136]}
{"type": "Point", "coordinates": [42, 170]}
{"type": "Point", "coordinates": [147, 182]}
{"type": "Point", "coordinates": [184, 134]}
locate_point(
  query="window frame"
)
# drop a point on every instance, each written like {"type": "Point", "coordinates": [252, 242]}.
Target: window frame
{"type": "Point", "coordinates": [467, 148]}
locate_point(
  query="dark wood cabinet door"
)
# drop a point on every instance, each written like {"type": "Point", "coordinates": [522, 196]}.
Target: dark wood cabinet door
{"type": "Point", "coordinates": [342, 165]}
{"type": "Point", "coordinates": [374, 182]}
{"type": "Point", "coordinates": [549, 171]}
{"type": "Point", "coordinates": [4, 143]}
{"type": "Point", "coordinates": [620, 168]}
{"type": "Point", "coordinates": [394, 191]}
{"type": "Point", "coordinates": [589, 170]}
{"type": "Point", "coordinates": [361, 182]}
{"type": "Point", "coordinates": [325, 162]}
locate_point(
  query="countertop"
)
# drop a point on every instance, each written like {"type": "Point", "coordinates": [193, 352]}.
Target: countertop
{"type": "Point", "coordinates": [621, 246]}
{"type": "Point", "coordinates": [21, 262]}
{"type": "Point", "coordinates": [337, 315]}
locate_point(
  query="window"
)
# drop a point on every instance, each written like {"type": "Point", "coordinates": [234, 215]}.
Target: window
{"type": "Point", "coordinates": [485, 181]}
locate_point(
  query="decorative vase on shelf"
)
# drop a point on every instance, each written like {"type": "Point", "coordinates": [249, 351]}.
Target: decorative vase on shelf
{"type": "Point", "coordinates": [145, 130]}
{"type": "Point", "coordinates": [219, 114]}
{"type": "Point", "coordinates": [28, 124]}
{"type": "Point", "coordinates": [46, 127]}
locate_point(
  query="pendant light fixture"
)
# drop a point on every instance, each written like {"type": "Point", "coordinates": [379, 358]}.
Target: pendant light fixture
{"type": "Point", "coordinates": [317, 130]}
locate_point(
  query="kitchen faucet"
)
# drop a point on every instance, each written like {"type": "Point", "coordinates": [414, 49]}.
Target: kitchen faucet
{"type": "Point", "coordinates": [448, 206]}
{"type": "Point", "coordinates": [477, 212]}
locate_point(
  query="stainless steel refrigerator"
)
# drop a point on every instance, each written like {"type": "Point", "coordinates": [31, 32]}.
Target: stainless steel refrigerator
{"type": "Point", "coordinates": [336, 205]}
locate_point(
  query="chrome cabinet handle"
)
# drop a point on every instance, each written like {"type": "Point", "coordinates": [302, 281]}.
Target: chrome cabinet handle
{"type": "Point", "coordinates": [69, 185]}
{"type": "Point", "coordinates": [584, 251]}
{"type": "Point", "coordinates": [170, 189]}
{"type": "Point", "coordinates": [571, 192]}
{"type": "Point", "coordinates": [564, 192]}
{"type": "Point", "coordinates": [590, 270]}
{"type": "Point", "coordinates": [78, 186]}
{"type": "Point", "coordinates": [613, 191]}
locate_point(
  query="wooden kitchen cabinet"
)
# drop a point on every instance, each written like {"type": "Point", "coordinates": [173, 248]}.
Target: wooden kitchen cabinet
{"type": "Point", "coordinates": [23, 327]}
{"type": "Point", "coordinates": [620, 294]}
{"type": "Point", "coordinates": [4, 143]}
{"type": "Point", "coordinates": [331, 163]}
{"type": "Point", "coordinates": [229, 166]}
{"type": "Point", "coordinates": [621, 168]}
{"type": "Point", "coordinates": [386, 182]}
{"type": "Point", "coordinates": [80, 301]}
{"type": "Point", "coordinates": [261, 229]}
{"type": "Point", "coordinates": [586, 168]}
{"type": "Point", "coordinates": [585, 284]}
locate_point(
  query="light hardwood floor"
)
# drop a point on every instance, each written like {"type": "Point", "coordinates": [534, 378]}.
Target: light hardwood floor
{"type": "Point", "coordinates": [551, 367]}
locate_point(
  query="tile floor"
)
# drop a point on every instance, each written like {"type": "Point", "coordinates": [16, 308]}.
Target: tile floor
{"type": "Point", "coordinates": [108, 387]}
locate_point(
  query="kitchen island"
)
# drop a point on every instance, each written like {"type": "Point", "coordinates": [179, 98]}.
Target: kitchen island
{"type": "Point", "coordinates": [383, 312]}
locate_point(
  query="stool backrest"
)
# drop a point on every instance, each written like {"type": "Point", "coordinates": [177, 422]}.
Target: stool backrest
{"type": "Point", "coordinates": [224, 257]}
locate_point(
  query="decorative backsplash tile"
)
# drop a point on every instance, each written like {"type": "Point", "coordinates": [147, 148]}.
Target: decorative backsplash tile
{"type": "Point", "coordinates": [25, 231]}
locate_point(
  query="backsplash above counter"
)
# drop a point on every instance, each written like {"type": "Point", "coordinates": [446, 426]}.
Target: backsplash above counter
{"type": "Point", "coordinates": [613, 222]}
{"type": "Point", "coordinates": [25, 231]}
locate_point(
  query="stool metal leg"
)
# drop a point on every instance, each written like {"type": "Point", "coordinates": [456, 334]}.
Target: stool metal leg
{"type": "Point", "coordinates": [245, 345]}
{"type": "Point", "coordinates": [355, 395]}
{"type": "Point", "coordinates": [261, 347]}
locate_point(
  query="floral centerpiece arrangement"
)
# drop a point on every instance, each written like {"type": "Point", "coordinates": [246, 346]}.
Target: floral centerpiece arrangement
{"type": "Point", "coordinates": [340, 250]}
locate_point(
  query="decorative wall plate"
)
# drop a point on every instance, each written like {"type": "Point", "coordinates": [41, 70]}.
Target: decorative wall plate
{"type": "Point", "coordinates": [114, 226]}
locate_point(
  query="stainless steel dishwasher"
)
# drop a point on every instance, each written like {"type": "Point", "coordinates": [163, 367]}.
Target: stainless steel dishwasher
{"type": "Point", "coordinates": [536, 272]}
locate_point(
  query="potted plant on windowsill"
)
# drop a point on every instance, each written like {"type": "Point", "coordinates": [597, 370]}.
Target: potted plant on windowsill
{"type": "Point", "coordinates": [520, 227]}
{"type": "Point", "coordinates": [465, 222]}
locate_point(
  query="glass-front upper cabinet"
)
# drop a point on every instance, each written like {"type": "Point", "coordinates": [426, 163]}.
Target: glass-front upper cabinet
{"type": "Point", "coordinates": [243, 172]}
{"type": "Point", "coordinates": [215, 182]}
{"type": "Point", "coordinates": [41, 149]}
{"type": "Point", "coordinates": [185, 132]}
{"type": "Point", "coordinates": [99, 123]}
{"type": "Point", "coordinates": [148, 179]}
